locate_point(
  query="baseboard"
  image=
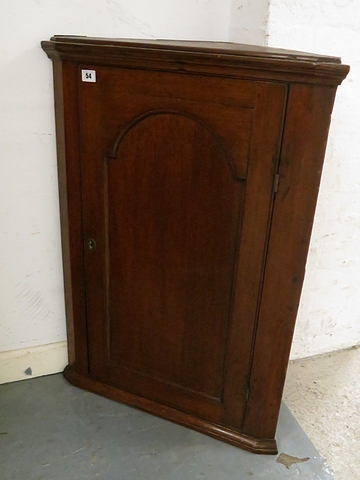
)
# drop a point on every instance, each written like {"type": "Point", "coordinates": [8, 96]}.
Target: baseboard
{"type": "Point", "coordinates": [32, 362]}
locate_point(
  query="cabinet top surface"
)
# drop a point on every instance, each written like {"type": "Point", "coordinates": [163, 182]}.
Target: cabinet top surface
{"type": "Point", "coordinates": [206, 47]}
{"type": "Point", "coordinates": [200, 56]}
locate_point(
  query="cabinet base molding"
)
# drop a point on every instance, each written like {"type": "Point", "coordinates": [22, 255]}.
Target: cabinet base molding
{"type": "Point", "coordinates": [265, 446]}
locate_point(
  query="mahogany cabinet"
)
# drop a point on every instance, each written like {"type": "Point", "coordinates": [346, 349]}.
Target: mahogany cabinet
{"type": "Point", "coordinates": [188, 176]}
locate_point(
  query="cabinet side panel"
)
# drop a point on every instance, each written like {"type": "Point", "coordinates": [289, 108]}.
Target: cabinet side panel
{"type": "Point", "coordinates": [265, 151]}
{"type": "Point", "coordinates": [306, 129]}
{"type": "Point", "coordinates": [69, 177]}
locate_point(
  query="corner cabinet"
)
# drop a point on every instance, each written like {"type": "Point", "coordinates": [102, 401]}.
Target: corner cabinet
{"type": "Point", "coordinates": [188, 176]}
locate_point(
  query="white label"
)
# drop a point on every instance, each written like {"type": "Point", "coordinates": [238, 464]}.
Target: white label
{"type": "Point", "coordinates": [88, 76]}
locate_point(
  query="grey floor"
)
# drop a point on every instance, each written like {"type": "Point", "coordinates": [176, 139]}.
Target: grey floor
{"type": "Point", "coordinates": [323, 393]}
{"type": "Point", "coordinates": [50, 430]}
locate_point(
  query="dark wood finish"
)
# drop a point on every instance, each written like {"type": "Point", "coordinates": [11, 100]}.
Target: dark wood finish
{"type": "Point", "coordinates": [170, 161]}
{"type": "Point", "coordinates": [302, 155]}
{"type": "Point", "coordinates": [203, 57]}
{"type": "Point", "coordinates": [69, 178]}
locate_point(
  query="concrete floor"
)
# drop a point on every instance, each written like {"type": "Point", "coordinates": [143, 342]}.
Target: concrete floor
{"type": "Point", "coordinates": [50, 430]}
{"type": "Point", "coordinates": [323, 392]}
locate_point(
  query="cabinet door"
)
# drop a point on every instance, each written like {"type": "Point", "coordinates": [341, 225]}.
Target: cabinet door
{"type": "Point", "coordinates": [178, 173]}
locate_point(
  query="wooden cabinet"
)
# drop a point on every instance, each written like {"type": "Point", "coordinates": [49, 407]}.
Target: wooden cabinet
{"type": "Point", "coordinates": [188, 176]}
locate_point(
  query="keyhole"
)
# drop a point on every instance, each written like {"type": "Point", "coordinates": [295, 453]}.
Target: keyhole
{"type": "Point", "coordinates": [91, 244]}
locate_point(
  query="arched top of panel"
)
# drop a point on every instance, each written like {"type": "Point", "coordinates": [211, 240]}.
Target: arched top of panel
{"type": "Point", "coordinates": [186, 118]}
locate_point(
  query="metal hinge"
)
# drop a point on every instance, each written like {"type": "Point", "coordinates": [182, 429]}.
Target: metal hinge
{"type": "Point", "coordinates": [276, 183]}
{"type": "Point", "coordinates": [247, 393]}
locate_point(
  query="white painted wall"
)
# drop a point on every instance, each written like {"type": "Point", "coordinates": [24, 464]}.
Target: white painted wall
{"type": "Point", "coordinates": [31, 287]}
{"type": "Point", "coordinates": [32, 323]}
{"type": "Point", "coordinates": [248, 21]}
{"type": "Point", "coordinates": [329, 315]}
